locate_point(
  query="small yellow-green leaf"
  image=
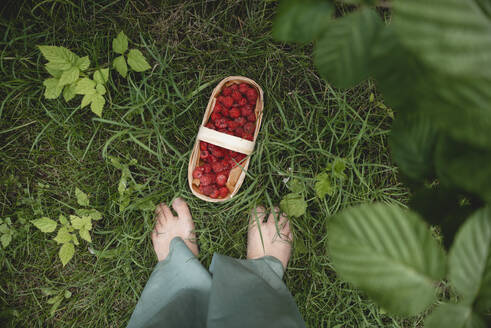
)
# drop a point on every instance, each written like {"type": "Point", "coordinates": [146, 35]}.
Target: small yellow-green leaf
{"type": "Point", "coordinates": [45, 224]}
{"type": "Point", "coordinates": [63, 236]}
{"type": "Point", "coordinates": [5, 240]}
{"type": "Point", "coordinates": [4, 228]}
{"type": "Point", "coordinates": [75, 240]}
{"type": "Point", "coordinates": [120, 43]}
{"type": "Point", "coordinates": [323, 185]}
{"type": "Point", "coordinates": [100, 89]}
{"type": "Point", "coordinates": [296, 186]}
{"type": "Point", "coordinates": [119, 64]}
{"type": "Point", "coordinates": [92, 213]}
{"type": "Point", "coordinates": [85, 235]}
{"type": "Point", "coordinates": [87, 99]}
{"type": "Point", "coordinates": [85, 86]}
{"type": "Point", "coordinates": [77, 222]}
{"type": "Point", "coordinates": [58, 55]}
{"type": "Point", "coordinates": [338, 167]}
{"type": "Point", "coordinates": [53, 90]}
{"type": "Point", "coordinates": [97, 104]}
{"type": "Point", "coordinates": [63, 220]}
{"type": "Point", "coordinates": [69, 92]}
{"type": "Point", "coordinates": [54, 72]}
{"type": "Point", "coordinates": [293, 204]}
{"type": "Point", "coordinates": [101, 76]}
{"type": "Point", "coordinates": [69, 76]}
{"type": "Point", "coordinates": [66, 253]}
{"type": "Point", "coordinates": [68, 294]}
{"type": "Point", "coordinates": [82, 198]}
{"type": "Point", "coordinates": [83, 63]}
{"type": "Point", "coordinates": [136, 61]}
{"type": "Point", "coordinates": [53, 300]}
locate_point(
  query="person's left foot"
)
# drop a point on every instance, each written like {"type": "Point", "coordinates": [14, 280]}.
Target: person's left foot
{"type": "Point", "coordinates": [168, 226]}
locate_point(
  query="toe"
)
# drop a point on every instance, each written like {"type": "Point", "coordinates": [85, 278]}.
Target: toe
{"type": "Point", "coordinates": [257, 215]}
{"type": "Point", "coordinates": [181, 208]}
{"type": "Point", "coordinates": [274, 216]}
{"type": "Point", "coordinates": [160, 218]}
{"type": "Point", "coordinates": [167, 212]}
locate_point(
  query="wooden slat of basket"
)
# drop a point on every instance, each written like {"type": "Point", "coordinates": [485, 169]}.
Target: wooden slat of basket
{"type": "Point", "coordinates": [225, 140]}
{"type": "Point", "coordinates": [234, 174]}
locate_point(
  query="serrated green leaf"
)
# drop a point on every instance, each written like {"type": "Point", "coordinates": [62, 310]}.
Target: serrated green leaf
{"type": "Point", "coordinates": [97, 104]}
{"type": "Point", "coordinates": [4, 228]}
{"type": "Point", "coordinates": [85, 86]}
{"type": "Point", "coordinates": [301, 21]}
{"type": "Point", "coordinates": [455, 316]}
{"type": "Point", "coordinates": [69, 92]}
{"type": "Point", "coordinates": [293, 204]}
{"type": "Point", "coordinates": [119, 64]}
{"type": "Point", "coordinates": [83, 63]}
{"type": "Point", "coordinates": [77, 222]}
{"type": "Point", "coordinates": [69, 76]}
{"type": "Point", "coordinates": [82, 198]}
{"type": "Point", "coordinates": [470, 261]}
{"type": "Point", "coordinates": [120, 43]}
{"type": "Point", "coordinates": [100, 89]}
{"type": "Point", "coordinates": [92, 213]}
{"type": "Point", "coordinates": [75, 240]}
{"type": "Point", "coordinates": [136, 61]}
{"type": "Point", "coordinates": [53, 90]}
{"type": "Point", "coordinates": [66, 253]}
{"type": "Point", "coordinates": [343, 55]}
{"type": "Point", "coordinates": [388, 252]}
{"type": "Point", "coordinates": [53, 72]}
{"type": "Point", "coordinates": [57, 67]}
{"type": "Point", "coordinates": [85, 235]}
{"type": "Point", "coordinates": [323, 185]}
{"type": "Point", "coordinates": [454, 36]}
{"type": "Point", "coordinates": [337, 168]}
{"type": "Point", "coordinates": [5, 240]}
{"type": "Point", "coordinates": [63, 220]}
{"type": "Point", "coordinates": [296, 186]}
{"type": "Point", "coordinates": [63, 236]}
{"type": "Point", "coordinates": [87, 99]}
{"type": "Point", "coordinates": [45, 224]}
{"type": "Point", "coordinates": [412, 141]}
{"type": "Point", "coordinates": [101, 76]}
{"type": "Point", "coordinates": [55, 54]}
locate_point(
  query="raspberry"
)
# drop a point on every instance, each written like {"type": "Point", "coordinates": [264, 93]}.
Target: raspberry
{"type": "Point", "coordinates": [206, 179]}
{"type": "Point", "coordinates": [215, 116]}
{"type": "Point", "coordinates": [251, 117]}
{"type": "Point", "coordinates": [215, 193]}
{"type": "Point", "coordinates": [241, 120]}
{"type": "Point", "coordinates": [197, 173]}
{"type": "Point", "coordinates": [239, 132]}
{"type": "Point", "coordinates": [227, 91]}
{"type": "Point", "coordinates": [228, 101]}
{"type": "Point", "coordinates": [234, 87]}
{"type": "Point", "coordinates": [236, 96]}
{"type": "Point", "coordinates": [245, 111]}
{"type": "Point", "coordinates": [221, 179]}
{"type": "Point", "coordinates": [249, 128]}
{"type": "Point", "coordinates": [232, 125]}
{"type": "Point", "coordinates": [203, 145]}
{"type": "Point", "coordinates": [218, 107]}
{"type": "Point", "coordinates": [248, 136]}
{"type": "Point", "coordinates": [223, 191]}
{"type": "Point", "coordinates": [243, 87]}
{"type": "Point", "coordinates": [212, 159]}
{"type": "Point", "coordinates": [210, 125]}
{"type": "Point", "coordinates": [218, 152]}
{"type": "Point", "coordinates": [220, 99]}
{"type": "Point", "coordinates": [242, 102]}
{"type": "Point", "coordinates": [251, 95]}
{"type": "Point", "coordinates": [206, 168]}
{"type": "Point", "coordinates": [221, 123]}
{"type": "Point", "coordinates": [234, 112]}
{"type": "Point", "coordinates": [217, 167]}
{"type": "Point", "coordinates": [204, 154]}
{"type": "Point", "coordinates": [207, 190]}
{"type": "Point", "coordinates": [225, 112]}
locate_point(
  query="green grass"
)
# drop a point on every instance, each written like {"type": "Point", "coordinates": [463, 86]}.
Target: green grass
{"type": "Point", "coordinates": [48, 148]}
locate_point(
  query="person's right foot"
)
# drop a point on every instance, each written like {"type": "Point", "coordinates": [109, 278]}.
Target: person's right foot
{"type": "Point", "coordinates": [275, 242]}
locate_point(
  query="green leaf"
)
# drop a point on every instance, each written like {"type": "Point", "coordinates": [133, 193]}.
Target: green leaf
{"type": "Point", "coordinates": [77, 222]}
{"type": "Point", "coordinates": [63, 220]}
{"type": "Point", "coordinates": [85, 235]}
{"type": "Point", "coordinates": [101, 76]}
{"type": "Point", "coordinates": [100, 89]}
{"type": "Point", "coordinates": [389, 253]}
{"type": "Point", "coordinates": [87, 99]}
{"type": "Point", "coordinates": [453, 36]}
{"type": "Point", "coordinates": [323, 185]}
{"type": "Point", "coordinates": [119, 64]}
{"type": "Point", "coordinates": [296, 186]}
{"type": "Point", "coordinates": [54, 72]}
{"type": "Point", "coordinates": [53, 90]}
{"type": "Point", "coordinates": [462, 165]}
{"type": "Point", "coordinates": [97, 104]}
{"type": "Point", "coordinates": [338, 167]}
{"type": "Point", "coordinates": [85, 86]}
{"type": "Point", "coordinates": [48, 291]}
{"type": "Point", "coordinates": [136, 61]}
{"type": "Point", "coordinates": [60, 56]}
{"type": "Point", "coordinates": [470, 260]}
{"type": "Point", "coordinates": [82, 198]}
{"type": "Point", "coordinates": [120, 43]}
{"type": "Point", "coordinates": [83, 63]}
{"type": "Point", "coordinates": [293, 204]}
{"type": "Point", "coordinates": [343, 55]}
{"type": "Point", "coordinates": [63, 236]}
{"type": "Point", "coordinates": [455, 316]}
{"type": "Point", "coordinates": [5, 240]}
{"type": "Point", "coordinates": [45, 224]}
{"type": "Point", "coordinates": [66, 253]}
{"type": "Point", "coordinates": [413, 140]}
{"type": "Point", "coordinates": [56, 301]}
{"type": "Point", "coordinates": [301, 21]}
{"type": "Point", "coordinates": [69, 76]}
{"type": "Point", "coordinates": [69, 92]}
{"type": "Point", "coordinates": [4, 228]}
{"type": "Point", "coordinates": [92, 213]}
{"type": "Point", "coordinates": [67, 294]}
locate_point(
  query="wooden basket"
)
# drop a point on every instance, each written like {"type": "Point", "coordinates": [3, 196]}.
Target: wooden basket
{"type": "Point", "coordinates": [237, 174]}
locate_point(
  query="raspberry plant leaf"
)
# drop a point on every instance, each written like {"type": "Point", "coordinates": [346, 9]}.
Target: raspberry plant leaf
{"type": "Point", "coordinates": [83, 63]}
{"type": "Point", "coordinates": [97, 104]}
{"type": "Point", "coordinates": [5, 239]}
{"type": "Point", "coordinates": [85, 235]}
{"type": "Point", "coordinates": [63, 236]}
{"type": "Point", "coordinates": [455, 316]}
{"type": "Point", "coordinates": [82, 198]}
{"type": "Point", "coordinates": [101, 76]}
{"type": "Point", "coordinates": [388, 252]}
{"type": "Point", "coordinates": [69, 92]}
{"type": "Point", "coordinates": [301, 21]}
{"type": "Point", "coordinates": [54, 72]}
{"type": "Point", "coordinates": [69, 76]}
{"type": "Point", "coordinates": [119, 64]}
{"type": "Point", "coordinates": [136, 61]}
{"type": "Point", "coordinates": [470, 261]}
{"type": "Point", "coordinates": [293, 204]}
{"type": "Point", "coordinates": [323, 185]}
{"type": "Point", "coordinates": [85, 86]}
{"type": "Point", "coordinates": [66, 253]}
{"type": "Point", "coordinates": [53, 89]}
{"type": "Point", "coordinates": [58, 57]}
{"type": "Point", "coordinates": [120, 43]}
{"type": "Point", "coordinates": [45, 224]}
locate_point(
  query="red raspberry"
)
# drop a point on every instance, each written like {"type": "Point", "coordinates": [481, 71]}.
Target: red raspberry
{"type": "Point", "coordinates": [240, 158]}
{"type": "Point", "coordinates": [239, 132]}
{"type": "Point", "coordinates": [221, 123]}
{"type": "Point", "coordinates": [242, 102]}
{"type": "Point", "coordinates": [232, 125]}
{"type": "Point", "coordinates": [228, 101]}
{"type": "Point", "coordinates": [215, 116]}
{"type": "Point", "coordinates": [243, 87]}
{"type": "Point", "coordinates": [234, 112]}
{"type": "Point", "coordinates": [248, 136]}
{"type": "Point", "coordinates": [203, 145]}
{"type": "Point", "coordinates": [218, 152]}
{"type": "Point", "coordinates": [197, 173]}
{"type": "Point", "coordinates": [207, 179]}
{"type": "Point", "coordinates": [204, 154]}
{"type": "Point", "coordinates": [249, 128]}
{"type": "Point", "coordinates": [251, 95]}
{"type": "Point", "coordinates": [221, 179]}
{"type": "Point", "coordinates": [206, 190]}
{"type": "Point", "coordinates": [218, 107]}
{"type": "Point", "coordinates": [241, 120]}
{"type": "Point", "coordinates": [245, 111]}
{"type": "Point", "coordinates": [210, 125]}
{"type": "Point", "coordinates": [251, 117]}
{"type": "Point", "coordinates": [234, 87]}
{"type": "Point", "coordinates": [227, 91]}
{"type": "Point", "coordinates": [225, 112]}
{"type": "Point", "coordinates": [217, 167]}
{"type": "Point", "coordinates": [223, 191]}
{"type": "Point", "coordinates": [212, 159]}
{"type": "Point", "coordinates": [236, 96]}
{"type": "Point", "coordinates": [215, 193]}
{"type": "Point", "coordinates": [206, 168]}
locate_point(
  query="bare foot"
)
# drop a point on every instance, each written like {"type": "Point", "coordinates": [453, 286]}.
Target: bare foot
{"type": "Point", "coordinates": [272, 243]}
{"type": "Point", "coordinates": [167, 226]}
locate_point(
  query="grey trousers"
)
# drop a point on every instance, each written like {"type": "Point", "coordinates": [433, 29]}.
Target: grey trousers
{"type": "Point", "coordinates": [233, 293]}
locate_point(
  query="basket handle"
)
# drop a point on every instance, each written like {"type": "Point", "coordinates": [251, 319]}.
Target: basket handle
{"type": "Point", "coordinates": [225, 140]}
